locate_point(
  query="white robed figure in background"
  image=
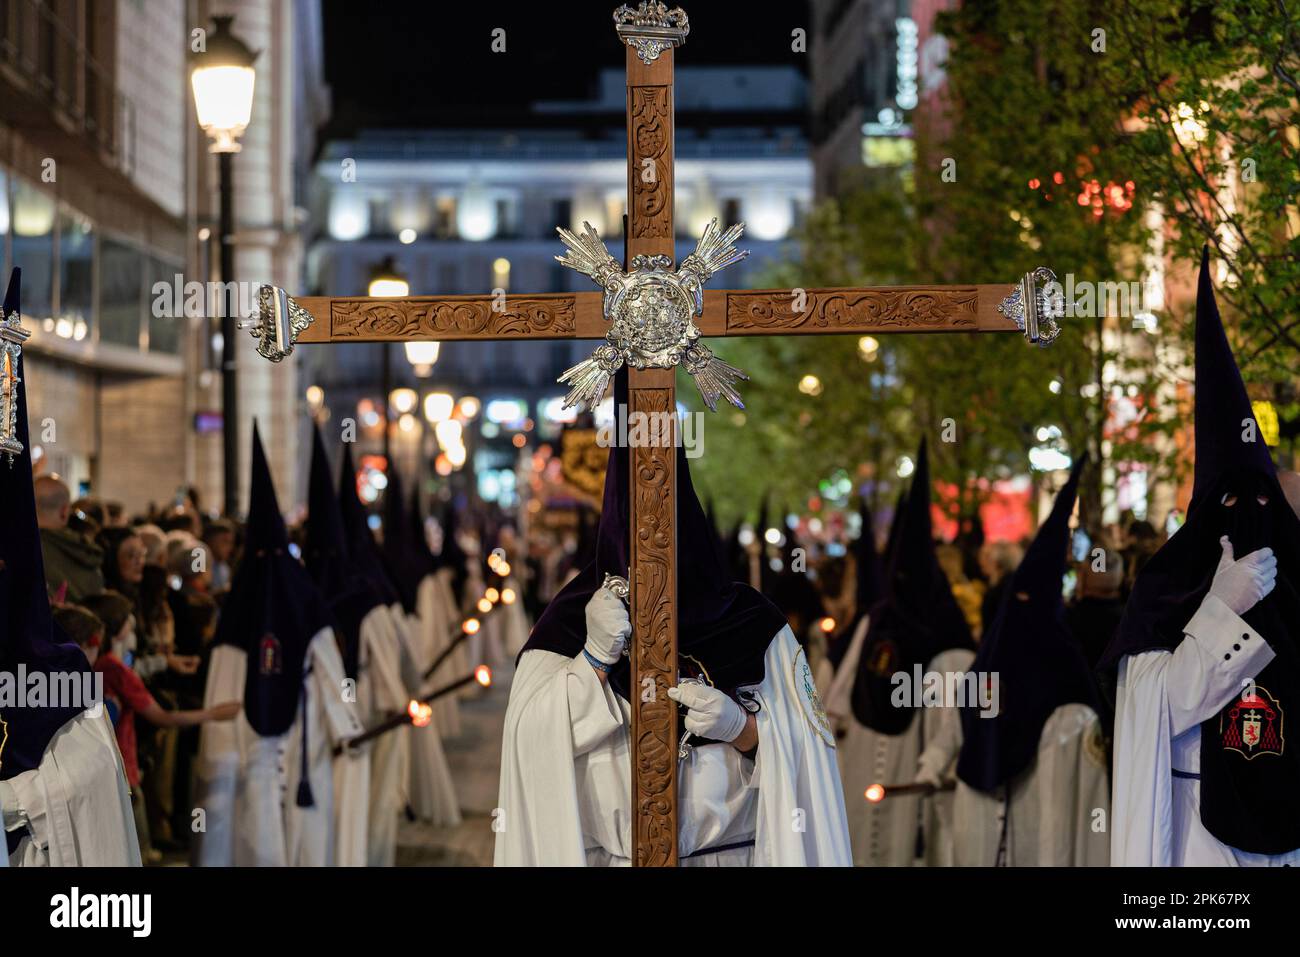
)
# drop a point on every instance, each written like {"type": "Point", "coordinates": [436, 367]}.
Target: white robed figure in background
{"type": "Point", "coordinates": [761, 754]}
{"type": "Point", "coordinates": [265, 781]}
{"type": "Point", "coordinates": [431, 793]}
{"type": "Point", "coordinates": [1206, 651]}
{"type": "Point", "coordinates": [369, 645]}
{"type": "Point", "coordinates": [385, 670]}
{"type": "Point", "coordinates": [1032, 785]}
{"type": "Point", "coordinates": [63, 789]}
{"type": "Point", "coordinates": [443, 602]}
{"type": "Point", "coordinates": [916, 626]}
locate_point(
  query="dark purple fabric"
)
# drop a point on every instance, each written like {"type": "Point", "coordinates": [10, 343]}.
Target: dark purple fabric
{"type": "Point", "coordinates": [422, 555]}
{"type": "Point", "coordinates": [400, 558]}
{"type": "Point", "coordinates": [451, 555]}
{"type": "Point", "coordinates": [350, 595]}
{"type": "Point", "coordinates": [361, 543]}
{"type": "Point", "coordinates": [724, 625]}
{"type": "Point", "coordinates": [1038, 664]}
{"type": "Point", "coordinates": [869, 580]}
{"type": "Point", "coordinates": [273, 610]}
{"type": "Point", "coordinates": [1248, 801]}
{"type": "Point", "coordinates": [917, 619]}
{"type": "Point", "coordinates": [28, 636]}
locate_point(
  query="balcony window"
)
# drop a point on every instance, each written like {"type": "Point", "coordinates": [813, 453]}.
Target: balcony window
{"type": "Point", "coordinates": [121, 293]}
{"type": "Point", "coordinates": [33, 249]}
{"type": "Point", "coordinates": [166, 332]}
{"type": "Point", "coordinates": [76, 273]}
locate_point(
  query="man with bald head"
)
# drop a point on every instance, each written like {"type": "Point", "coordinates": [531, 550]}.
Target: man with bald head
{"type": "Point", "coordinates": [71, 559]}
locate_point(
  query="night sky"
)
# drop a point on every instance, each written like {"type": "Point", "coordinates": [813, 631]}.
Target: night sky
{"type": "Point", "coordinates": [414, 64]}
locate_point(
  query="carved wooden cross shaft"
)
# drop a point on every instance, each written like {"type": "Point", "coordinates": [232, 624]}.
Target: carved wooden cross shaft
{"type": "Point", "coordinates": [651, 32]}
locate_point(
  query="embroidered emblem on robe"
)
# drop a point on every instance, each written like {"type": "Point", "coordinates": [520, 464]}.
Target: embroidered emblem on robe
{"type": "Point", "coordinates": [806, 691]}
{"type": "Point", "coordinates": [880, 661]}
{"type": "Point", "coordinates": [268, 657]}
{"type": "Point", "coordinates": [1252, 725]}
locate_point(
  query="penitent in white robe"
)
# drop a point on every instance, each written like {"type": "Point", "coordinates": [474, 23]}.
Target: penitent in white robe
{"type": "Point", "coordinates": [1161, 700]}
{"type": "Point", "coordinates": [432, 792]}
{"type": "Point", "coordinates": [247, 785]}
{"type": "Point", "coordinates": [75, 807]}
{"type": "Point", "coordinates": [565, 795]}
{"type": "Point", "coordinates": [437, 611]}
{"type": "Point", "coordinates": [885, 834]}
{"type": "Point", "coordinates": [1060, 806]}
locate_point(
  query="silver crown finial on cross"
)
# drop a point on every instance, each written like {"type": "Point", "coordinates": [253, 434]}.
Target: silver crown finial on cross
{"type": "Point", "coordinates": [651, 28]}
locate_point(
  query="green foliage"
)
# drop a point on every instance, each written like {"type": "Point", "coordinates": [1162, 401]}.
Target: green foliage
{"type": "Point", "coordinates": [1037, 112]}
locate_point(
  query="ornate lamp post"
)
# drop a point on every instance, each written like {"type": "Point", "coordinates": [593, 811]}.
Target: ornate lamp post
{"type": "Point", "coordinates": [222, 78]}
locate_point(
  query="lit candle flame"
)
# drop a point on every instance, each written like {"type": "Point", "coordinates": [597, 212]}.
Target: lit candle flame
{"type": "Point", "coordinates": [507, 596]}
{"type": "Point", "coordinates": [484, 605]}
{"type": "Point", "coordinates": [470, 626]}
{"type": "Point", "coordinates": [875, 793]}
{"type": "Point", "coordinates": [492, 595]}
{"type": "Point", "coordinates": [503, 569]}
{"type": "Point", "coordinates": [827, 624]}
{"type": "Point", "coordinates": [421, 713]}
{"type": "Point", "coordinates": [483, 675]}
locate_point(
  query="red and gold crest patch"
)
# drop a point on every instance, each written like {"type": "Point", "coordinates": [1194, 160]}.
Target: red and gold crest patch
{"type": "Point", "coordinates": [268, 657]}
{"type": "Point", "coordinates": [881, 658]}
{"type": "Point", "coordinates": [1252, 725]}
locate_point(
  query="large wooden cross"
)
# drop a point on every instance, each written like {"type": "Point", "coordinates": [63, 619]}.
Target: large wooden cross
{"type": "Point", "coordinates": [651, 32]}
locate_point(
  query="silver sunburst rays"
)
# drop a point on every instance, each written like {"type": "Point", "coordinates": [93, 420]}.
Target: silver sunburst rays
{"type": "Point", "coordinates": [651, 311]}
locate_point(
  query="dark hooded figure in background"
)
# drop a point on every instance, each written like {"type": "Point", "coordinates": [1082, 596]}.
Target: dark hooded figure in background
{"type": "Point", "coordinates": [62, 782]}
{"type": "Point", "coordinates": [915, 629]}
{"type": "Point", "coordinates": [266, 779]}
{"type": "Point", "coordinates": [1207, 651]}
{"type": "Point", "coordinates": [1032, 784]}
{"type": "Point", "coordinates": [759, 752]}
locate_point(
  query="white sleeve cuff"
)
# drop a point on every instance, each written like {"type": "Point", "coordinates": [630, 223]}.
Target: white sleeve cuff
{"type": "Point", "coordinates": [1225, 636]}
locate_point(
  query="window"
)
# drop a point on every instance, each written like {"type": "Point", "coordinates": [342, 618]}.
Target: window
{"type": "Point", "coordinates": [76, 273]}
{"type": "Point", "coordinates": [165, 331]}
{"type": "Point", "coordinates": [562, 213]}
{"type": "Point", "coordinates": [33, 249]}
{"type": "Point", "coordinates": [121, 293]}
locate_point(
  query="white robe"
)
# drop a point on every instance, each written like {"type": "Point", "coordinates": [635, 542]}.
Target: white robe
{"type": "Point", "coordinates": [1161, 700]}
{"type": "Point", "coordinates": [75, 807]}
{"type": "Point", "coordinates": [247, 784]}
{"type": "Point", "coordinates": [432, 792]}
{"type": "Point", "coordinates": [382, 691]}
{"type": "Point", "coordinates": [436, 613]}
{"type": "Point", "coordinates": [1060, 805]}
{"type": "Point", "coordinates": [565, 794]}
{"type": "Point", "coordinates": [885, 833]}
{"type": "Point", "coordinates": [514, 621]}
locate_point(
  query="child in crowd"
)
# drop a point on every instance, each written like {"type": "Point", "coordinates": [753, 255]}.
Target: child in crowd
{"type": "Point", "coordinates": [101, 626]}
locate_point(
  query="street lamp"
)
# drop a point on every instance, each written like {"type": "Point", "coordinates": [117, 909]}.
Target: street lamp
{"type": "Point", "coordinates": [387, 281]}
{"type": "Point", "coordinates": [222, 78]}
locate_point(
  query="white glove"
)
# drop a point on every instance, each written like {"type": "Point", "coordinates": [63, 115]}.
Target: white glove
{"type": "Point", "coordinates": [710, 713]}
{"type": "Point", "coordinates": [925, 774]}
{"type": "Point", "coordinates": [608, 627]}
{"type": "Point", "coordinates": [1241, 584]}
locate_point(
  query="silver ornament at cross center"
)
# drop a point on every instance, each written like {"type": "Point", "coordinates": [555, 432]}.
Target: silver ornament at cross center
{"type": "Point", "coordinates": [651, 311]}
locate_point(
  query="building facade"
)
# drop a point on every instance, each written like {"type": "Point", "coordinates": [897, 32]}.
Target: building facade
{"type": "Point", "coordinates": [107, 203]}
{"type": "Point", "coordinates": [472, 211]}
